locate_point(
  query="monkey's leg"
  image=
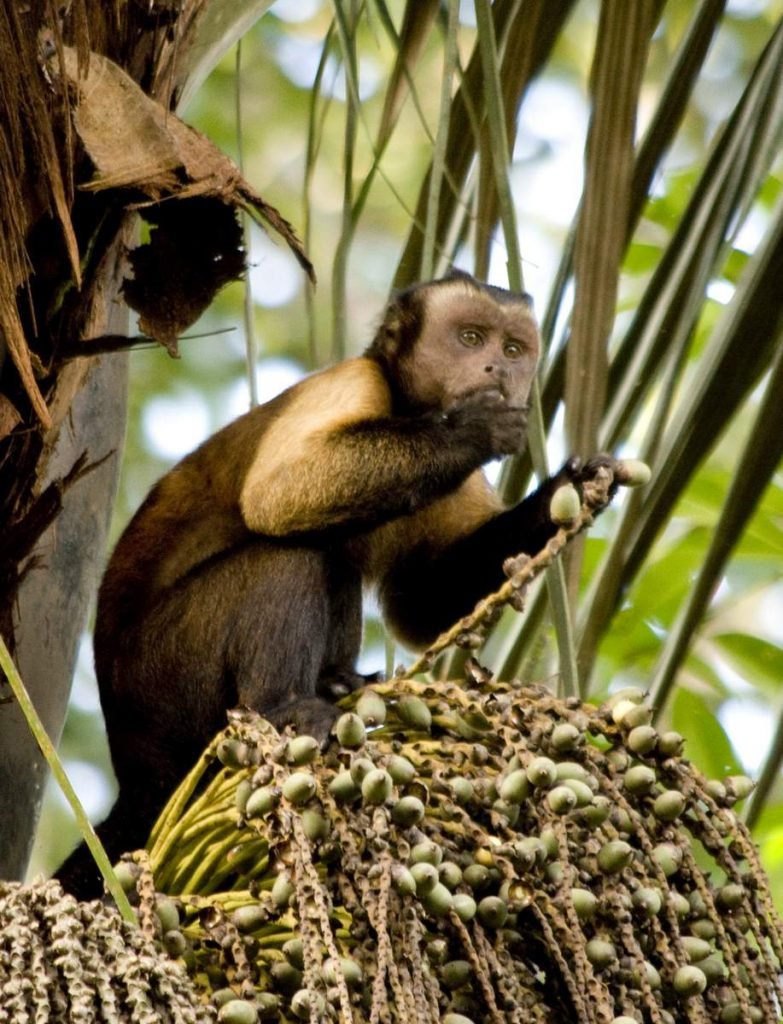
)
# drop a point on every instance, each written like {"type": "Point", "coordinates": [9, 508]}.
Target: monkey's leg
{"type": "Point", "coordinates": [338, 674]}
{"type": "Point", "coordinates": [279, 637]}
{"type": "Point", "coordinates": [250, 628]}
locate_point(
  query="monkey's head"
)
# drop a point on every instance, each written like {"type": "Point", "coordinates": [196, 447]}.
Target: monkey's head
{"type": "Point", "coordinates": [444, 339]}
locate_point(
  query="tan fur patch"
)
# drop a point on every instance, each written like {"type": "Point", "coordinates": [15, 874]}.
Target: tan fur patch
{"type": "Point", "coordinates": [289, 484]}
{"type": "Point", "coordinates": [442, 299]}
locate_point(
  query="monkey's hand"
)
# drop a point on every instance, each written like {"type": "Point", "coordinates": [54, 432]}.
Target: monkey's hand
{"type": "Point", "coordinates": [486, 418]}
{"type": "Point", "coordinates": [598, 475]}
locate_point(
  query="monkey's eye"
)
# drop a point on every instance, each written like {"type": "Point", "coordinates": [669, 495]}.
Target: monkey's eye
{"type": "Point", "coordinates": [513, 350]}
{"type": "Point", "coordinates": [471, 337]}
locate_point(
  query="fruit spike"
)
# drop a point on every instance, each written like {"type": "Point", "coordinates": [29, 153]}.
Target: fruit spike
{"type": "Point", "coordinates": [452, 834]}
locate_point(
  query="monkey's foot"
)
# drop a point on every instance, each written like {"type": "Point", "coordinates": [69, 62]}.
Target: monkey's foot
{"type": "Point", "coordinates": [311, 716]}
{"type": "Point", "coordinates": [335, 685]}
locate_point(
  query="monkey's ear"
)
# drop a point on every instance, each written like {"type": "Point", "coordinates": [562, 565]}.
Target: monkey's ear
{"type": "Point", "coordinates": [388, 337]}
{"type": "Point", "coordinates": [400, 326]}
{"type": "Point", "coordinates": [455, 274]}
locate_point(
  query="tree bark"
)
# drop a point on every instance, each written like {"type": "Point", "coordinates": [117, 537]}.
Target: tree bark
{"type": "Point", "coordinates": [55, 595]}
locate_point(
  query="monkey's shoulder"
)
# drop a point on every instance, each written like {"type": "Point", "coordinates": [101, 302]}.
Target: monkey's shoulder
{"type": "Point", "coordinates": [297, 476]}
{"type": "Point", "coordinates": [322, 404]}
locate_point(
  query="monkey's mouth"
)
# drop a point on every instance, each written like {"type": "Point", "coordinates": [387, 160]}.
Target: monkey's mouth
{"type": "Point", "coordinates": [508, 396]}
{"type": "Point", "coordinates": [523, 408]}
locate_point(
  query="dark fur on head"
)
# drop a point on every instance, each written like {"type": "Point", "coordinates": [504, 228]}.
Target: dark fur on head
{"type": "Point", "coordinates": [503, 296]}
{"type": "Point", "coordinates": [403, 317]}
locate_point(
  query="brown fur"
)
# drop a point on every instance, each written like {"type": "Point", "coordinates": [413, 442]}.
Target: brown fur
{"type": "Point", "coordinates": [297, 477]}
{"type": "Point", "coordinates": [239, 579]}
{"type": "Point", "coordinates": [435, 527]}
{"type": "Point", "coordinates": [241, 483]}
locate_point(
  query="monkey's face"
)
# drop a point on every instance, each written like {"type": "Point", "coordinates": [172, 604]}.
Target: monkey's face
{"type": "Point", "coordinates": [470, 342]}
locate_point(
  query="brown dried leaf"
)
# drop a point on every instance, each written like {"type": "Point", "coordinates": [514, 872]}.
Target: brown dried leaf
{"type": "Point", "coordinates": [135, 143]}
{"type": "Point", "coordinates": [9, 416]}
{"type": "Point", "coordinates": [31, 180]}
{"type": "Point", "coordinates": [11, 329]}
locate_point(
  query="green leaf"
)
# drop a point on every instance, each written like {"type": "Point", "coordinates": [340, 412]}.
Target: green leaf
{"type": "Point", "coordinates": [622, 43]}
{"type": "Point", "coordinates": [642, 257]}
{"type": "Point", "coordinates": [758, 661]}
{"type": "Point", "coordinates": [708, 745]}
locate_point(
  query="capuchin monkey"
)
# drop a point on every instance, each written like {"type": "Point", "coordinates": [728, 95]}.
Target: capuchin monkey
{"type": "Point", "coordinates": [239, 580]}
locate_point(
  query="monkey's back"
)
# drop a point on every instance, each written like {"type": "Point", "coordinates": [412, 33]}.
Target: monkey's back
{"type": "Point", "coordinates": [191, 515]}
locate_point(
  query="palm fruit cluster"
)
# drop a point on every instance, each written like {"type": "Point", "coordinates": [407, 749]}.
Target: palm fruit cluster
{"type": "Point", "coordinates": [65, 962]}
{"type": "Point", "coordinates": [464, 853]}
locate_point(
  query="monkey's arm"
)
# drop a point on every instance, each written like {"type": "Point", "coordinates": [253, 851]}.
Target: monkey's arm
{"type": "Point", "coordinates": [366, 472]}
{"type": "Point", "coordinates": [426, 593]}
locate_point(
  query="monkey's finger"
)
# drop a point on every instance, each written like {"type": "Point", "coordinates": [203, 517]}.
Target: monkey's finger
{"type": "Point", "coordinates": [572, 468]}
